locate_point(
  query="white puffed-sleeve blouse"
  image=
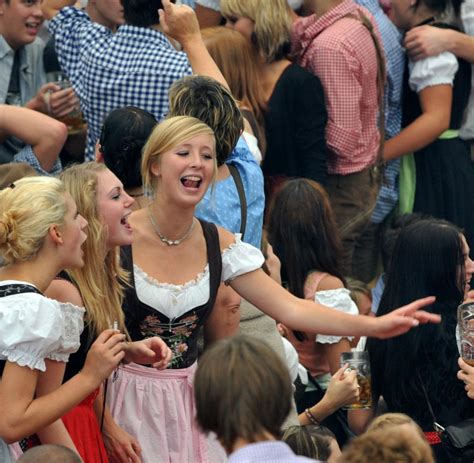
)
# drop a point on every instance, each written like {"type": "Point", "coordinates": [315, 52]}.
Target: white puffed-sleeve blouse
{"type": "Point", "coordinates": [34, 328]}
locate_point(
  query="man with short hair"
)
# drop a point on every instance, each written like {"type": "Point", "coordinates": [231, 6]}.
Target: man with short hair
{"type": "Point", "coordinates": [243, 394]}
{"type": "Point", "coordinates": [133, 67]}
{"type": "Point", "coordinates": [22, 76]}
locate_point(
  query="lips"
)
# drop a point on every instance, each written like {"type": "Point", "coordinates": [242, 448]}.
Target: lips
{"type": "Point", "coordinates": [124, 221]}
{"type": "Point", "coordinates": [33, 27]}
{"type": "Point", "coordinates": [191, 181]}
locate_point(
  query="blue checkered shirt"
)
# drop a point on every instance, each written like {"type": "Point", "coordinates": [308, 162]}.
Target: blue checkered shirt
{"type": "Point", "coordinates": [27, 155]}
{"type": "Point", "coordinates": [133, 67]}
{"type": "Point", "coordinates": [395, 62]}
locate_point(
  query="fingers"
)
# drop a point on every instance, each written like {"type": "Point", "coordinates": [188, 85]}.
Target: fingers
{"type": "Point", "coordinates": [105, 336]}
{"type": "Point", "coordinates": [132, 455]}
{"type": "Point", "coordinates": [341, 372]}
{"type": "Point", "coordinates": [465, 367]}
{"type": "Point", "coordinates": [426, 317]}
{"type": "Point", "coordinates": [411, 308]}
{"type": "Point", "coordinates": [63, 102]}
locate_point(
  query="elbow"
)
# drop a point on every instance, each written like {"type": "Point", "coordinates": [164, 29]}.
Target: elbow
{"type": "Point", "coordinates": [10, 434]}
{"type": "Point", "coordinates": [58, 134]}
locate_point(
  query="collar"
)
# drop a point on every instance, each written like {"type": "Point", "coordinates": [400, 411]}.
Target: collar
{"type": "Point", "coordinates": [263, 451]}
{"type": "Point", "coordinates": [4, 47]}
{"type": "Point", "coordinates": [312, 26]}
{"type": "Point", "coordinates": [145, 32]}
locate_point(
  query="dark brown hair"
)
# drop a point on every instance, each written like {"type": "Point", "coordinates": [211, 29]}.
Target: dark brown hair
{"type": "Point", "coordinates": [243, 390]}
{"type": "Point", "coordinates": [303, 233]}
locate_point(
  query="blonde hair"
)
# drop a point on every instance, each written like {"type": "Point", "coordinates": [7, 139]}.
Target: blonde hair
{"type": "Point", "coordinates": [272, 18]}
{"type": "Point", "coordinates": [165, 136]}
{"type": "Point", "coordinates": [388, 420]}
{"type": "Point", "coordinates": [101, 280]}
{"type": "Point", "coordinates": [28, 208]}
{"type": "Point", "coordinates": [235, 58]}
{"type": "Point", "coordinates": [389, 446]}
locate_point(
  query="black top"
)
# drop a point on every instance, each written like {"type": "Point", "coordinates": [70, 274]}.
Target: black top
{"type": "Point", "coordinates": [436, 362]}
{"type": "Point", "coordinates": [461, 91]}
{"type": "Point", "coordinates": [180, 333]}
{"type": "Point", "coordinates": [295, 125]}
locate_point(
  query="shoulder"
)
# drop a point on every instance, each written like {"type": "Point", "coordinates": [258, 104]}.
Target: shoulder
{"type": "Point", "coordinates": [434, 70]}
{"type": "Point", "coordinates": [64, 291]}
{"type": "Point", "coordinates": [226, 238]}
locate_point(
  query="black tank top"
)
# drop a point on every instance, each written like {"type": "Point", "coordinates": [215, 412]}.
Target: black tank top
{"type": "Point", "coordinates": [180, 333]}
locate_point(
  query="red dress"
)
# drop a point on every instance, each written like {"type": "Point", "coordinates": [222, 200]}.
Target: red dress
{"type": "Point", "coordinates": [83, 427]}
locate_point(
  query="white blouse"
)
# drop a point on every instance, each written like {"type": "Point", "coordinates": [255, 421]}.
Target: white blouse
{"type": "Point", "coordinates": [175, 300]}
{"type": "Point", "coordinates": [340, 300]}
{"type": "Point", "coordinates": [434, 70]}
{"type": "Point", "coordinates": [34, 328]}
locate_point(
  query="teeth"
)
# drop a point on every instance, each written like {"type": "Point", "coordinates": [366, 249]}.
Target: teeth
{"type": "Point", "coordinates": [192, 178]}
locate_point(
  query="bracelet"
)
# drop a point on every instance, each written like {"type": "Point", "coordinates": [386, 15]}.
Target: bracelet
{"type": "Point", "coordinates": [311, 418]}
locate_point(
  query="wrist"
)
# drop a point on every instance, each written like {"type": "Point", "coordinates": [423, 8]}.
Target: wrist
{"type": "Point", "coordinates": [326, 407]}
{"type": "Point", "coordinates": [88, 380]}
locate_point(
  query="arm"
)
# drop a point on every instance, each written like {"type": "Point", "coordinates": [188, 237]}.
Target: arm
{"type": "Point", "coordinates": [51, 8]}
{"type": "Point", "coordinates": [55, 433]}
{"type": "Point", "coordinates": [180, 23]}
{"type": "Point", "coordinates": [298, 314]}
{"type": "Point", "coordinates": [424, 41]}
{"type": "Point", "coordinates": [436, 112]}
{"type": "Point", "coordinates": [45, 135]}
{"type": "Point", "coordinates": [342, 390]}
{"type": "Point", "coordinates": [23, 414]}
{"type": "Point", "coordinates": [121, 447]}
{"type": "Point", "coordinates": [224, 318]}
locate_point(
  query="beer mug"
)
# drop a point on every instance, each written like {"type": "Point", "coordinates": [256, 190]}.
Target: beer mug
{"type": "Point", "coordinates": [359, 361]}
{"type": "Point", "coordinates": [466, 331]}
{"type": "Point", "coordinates": [74, 120]}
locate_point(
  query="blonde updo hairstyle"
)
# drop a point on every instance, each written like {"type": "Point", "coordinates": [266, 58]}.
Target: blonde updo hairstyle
{"type": "Point", "coordinates": [272, 31]}
{"type": "Point", "coordinates": [168, 134]}
{"type": "Point", "coordinates": [28, 208]}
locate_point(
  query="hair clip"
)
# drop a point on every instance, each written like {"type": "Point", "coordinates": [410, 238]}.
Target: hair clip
{"type": "Point", "coordinates": [12, 185]}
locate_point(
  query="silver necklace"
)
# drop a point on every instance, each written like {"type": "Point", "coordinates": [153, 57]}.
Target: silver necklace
{"type": "Point", "coordinates": [163, 238]}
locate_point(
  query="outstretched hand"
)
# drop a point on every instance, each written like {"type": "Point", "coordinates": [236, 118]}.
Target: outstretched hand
{"type": "Point", "coordinates": [179, 22]}
{"type": "Point", "coordinates": [403, 319]}
{"type": "Point", "coordinates": [148, 351]}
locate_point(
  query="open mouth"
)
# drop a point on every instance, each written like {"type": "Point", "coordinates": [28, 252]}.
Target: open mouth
{"type": "Point", "coordinates": [124, 221]}
{"type": "Point", "coordinates": [33, 27]}
{"type": "Point", "coordinates": [191, 181]}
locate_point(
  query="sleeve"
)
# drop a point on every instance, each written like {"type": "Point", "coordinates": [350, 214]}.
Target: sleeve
{"type": "Point", "coordinates": [27, 155]}
{"type": "Point", "coordinates": [73, 31]}
{"type": "Point", "coordinates": [31, 329]}
{"type": "Point", "coordinates": [240, 258]}
{"type": "Point", "coordinates": [73, 325]}
{"type": "Point", "coordinates": [434, 70]}
{"type": "Point", "coordinates": [337, 72]}
{"type": "Point", "coordinates": [338, 299]}
{"type": "Point", "coordinates": [310, 130]}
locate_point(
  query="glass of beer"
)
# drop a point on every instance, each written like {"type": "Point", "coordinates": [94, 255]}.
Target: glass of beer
{"type": "Point", "coordinates": [466, 332]}
{"type": "Point", "coordinates": [74, 120]}
{"type": "Point", "coordinates": [359, 361]}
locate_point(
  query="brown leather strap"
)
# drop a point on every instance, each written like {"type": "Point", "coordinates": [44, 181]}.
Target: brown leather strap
{"type": "Point", "coordinates": [381, 76]}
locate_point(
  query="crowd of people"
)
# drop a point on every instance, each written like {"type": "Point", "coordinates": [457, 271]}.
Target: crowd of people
{"type": "Point", "coordinates": [205, 203]}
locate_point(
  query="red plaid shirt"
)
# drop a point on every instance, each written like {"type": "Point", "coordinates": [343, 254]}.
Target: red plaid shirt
{"type": "Point", "coordinates": [341, 52]}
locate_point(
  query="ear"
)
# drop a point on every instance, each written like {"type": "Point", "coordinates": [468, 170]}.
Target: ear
{"type": "Point", "coordinates": [99, 156]}
{"type": "Point", "coordinates": [155, 168]}
{"type": "Point", "coordinates": [55, 235]}
{"type": "Point", "coordinates": [2, 7]}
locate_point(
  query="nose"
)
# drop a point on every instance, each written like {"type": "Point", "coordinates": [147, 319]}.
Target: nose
{"type": "Point", "coordinates": [129, 201]}
{"type": "Point", "coordinates": [37, 11]}
{"type": "Point", "coordinates": [469, 266]}
{"type": "Point", "coordinates": [196, 160]}
{"type": "Point", "coordinates": [84, 223]}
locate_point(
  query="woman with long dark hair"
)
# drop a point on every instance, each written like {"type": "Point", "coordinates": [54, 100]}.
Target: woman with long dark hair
{"type": "Point", "coordinates": [303, 233]}
{"type": "Point", "coordinates": [430, 257]}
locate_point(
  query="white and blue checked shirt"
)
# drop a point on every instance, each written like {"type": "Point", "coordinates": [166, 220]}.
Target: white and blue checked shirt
{"type": "Point", "coordinates": [133, 67]}
{"type": "Point", "coordinates": [395, 62]}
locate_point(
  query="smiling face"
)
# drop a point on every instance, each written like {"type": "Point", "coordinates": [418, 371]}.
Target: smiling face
{"type": "Point", "coordinates": [20, 21]}
{"type": "Point", "coordinates": [114, 207]}
{"type": "Point", "coordinates": [184, 173]}
{"type": "Point", "coordinates": [73, 235]}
